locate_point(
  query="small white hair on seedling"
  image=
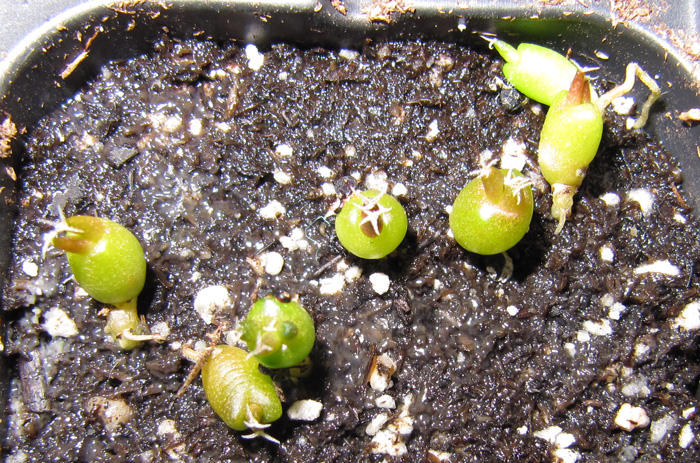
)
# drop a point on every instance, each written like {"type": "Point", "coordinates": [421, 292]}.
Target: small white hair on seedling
{"type": "Point", "coordinates": [57, 227]}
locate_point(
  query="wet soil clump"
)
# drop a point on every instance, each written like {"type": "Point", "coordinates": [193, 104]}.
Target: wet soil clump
{"type": "Point", "coordinates": [215, 162]}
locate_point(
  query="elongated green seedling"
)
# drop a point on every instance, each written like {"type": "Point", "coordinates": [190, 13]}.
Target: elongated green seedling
{"type": "Point", "coordinates": [108, 262]}
{"type": "Point", "coordinates": [538, 72]}
{"type": "Point", "coordinates": [493, 212]}
{"type": "Point", "coordinates": [569, 141]}
{"type": "Point", "coordinates": [239, 393]}
{"type": "Point", "coordinates": [106, 259]}
{"type": "Point", "coordinates": [371, 224]}
{"type": "Point", "coordinates": [279, 331]}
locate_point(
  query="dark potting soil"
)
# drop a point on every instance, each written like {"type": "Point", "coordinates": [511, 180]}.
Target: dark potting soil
{"type": "Point", "coordinates": [216, 166]}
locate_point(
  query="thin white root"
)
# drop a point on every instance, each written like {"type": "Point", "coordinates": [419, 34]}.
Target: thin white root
{"type": "Point", "coordinates": [562, 203]}
{"type": "Point", "coordinates": [258, 428]}
{"type": "Point", "coordinates": [633, 70]}
{"type": "Point", "coordinates": [128, 334]}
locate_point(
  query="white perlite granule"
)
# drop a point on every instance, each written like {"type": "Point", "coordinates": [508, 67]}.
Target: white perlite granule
{"type": "Point", "coordinates": [273, 210]}
{"type": "Point", "coordinates": [645, 198]}
{"type": "Point", "coordinates": [274, 263]}
{"type": "Point", "coordinates": [57, 323]}
{"type": "Point", "coordinates": [255, 58]}
{"type": "Point", "coordinates": [630, 418]}
{"type": "Point", "coordinates": [659, 428]}
{"type": "Point", "coordinates": [663, 267]}
{"type": "Point", "coordinates": [689, 318]}
{"type": "Point", "coordinates": [380, 282]}
{"type": "Point", "coordinates": [211, 300]}
{"type": "Point", "coordinates": [305, 410]}
{"type": "Point", "coordinates": [686, 436]}
{"type": "Point", "coordinates": [332, 285]}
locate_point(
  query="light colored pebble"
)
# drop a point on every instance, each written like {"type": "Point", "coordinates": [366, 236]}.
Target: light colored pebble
{"type": "Point", "coordinates": [638, 386]}
{"type": "Point", "coordinates": [348, 54]}
{"type": "Point", "coordinates": [623, 105]}
{"type": "Point", "coordinates": [282, 177]}
{"type": "Point", "coordinates": [305, 410]}
{"type": "Point", "coordinates": [688, 413]}
{"type": "Point", "coordinates": [660, 428]}
{"type": "Point", "coordinates": [641, 349]}
{"type": "Point", "coordinates": [514, 155]}
{"type": "Point", "coordinates": [211, 300]}
{"type": "Point", "coordinates": [680, 218]}
{"type": "Point", "coordinates": [566, 455]}
{"type": "Point", "coordinates": [332, 285]}
{"type": "Point", "coordinates": [610, 199]}
{"type": "Point", "coordinates": [607, 254]}
{"type": "Point", "coordinates": [377, 181]}
{"type": "Point", "coordinates": [645, 198]}
{"type": "Point", "coordinates": [399, 190]}
{"type": "Point", "coordinates": [168, 427]}
{"type": "Point", "coordinates": [388, 443]}
{"type": "Point", "coordinates": [598, 328]}
{"type": "Point", "coordinates": [255, 58]}
{"type": "Point", "coordinates": [691, 115]}
{"type": "Point", "coordinates": [380, 282]}
{"type": "Point", "coordinates": [112, 413]}
{"type": "Point", "coordinates": [616, 310]}
{"type": "Point", "coordinates": [607, 300]}
{"type": "Point", "coordinates": [274, 262]}
{"type": "Point", "coordinates": [172, 124]}
{"type": "Point", "coordinates": [686, 436]}
{"type": "Point", "coordinates": [512, 310]}
{"type": "Point", "coordinates": [325, 172]}
{"type": "Point", "coordinates": [663, 267]}
{"type": "Point", "coordinates": [385, 401]}
{"type": "Point", "coordinates": [377, 423]}
{"type": "Point", "coordinates": [195, 127]}
{"type": "Point", "coordinates": [284, 150]}
{"type": "Point", "coordinates": [273, 210]}
{"type": "Point", "coordinates": [328, 189]}
{"type": "Point", "coordinates": [629, 417]}
{"type": "Point", "coordinates": [689, 318]}
{"type": "Point", "coordinates": [30, 268]}
{"type": "Point", "coordinates": [161, 329]}
{"type": "Point", "coordinates": [570, 348]}
{"type": "Point", "coordinates": [383, 368]}
{"type": "Point", "coordinates": [57, 323]}
{"type": "Point", "coordinates": [549, 434]}
{"type": "Point", "coordinates": [440, 456]}
{"type": "Point", "coordinates": [296, 240]}
{"type": "Point", "coordinates": [223, 127]}
{"type": "Point", "coordinates": [352, 273]}
{"type": "Point", "coordinates": [433, 131]}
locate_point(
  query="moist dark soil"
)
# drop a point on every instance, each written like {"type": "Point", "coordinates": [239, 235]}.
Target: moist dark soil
{"type": "Point", "coordinates": [189, 148]}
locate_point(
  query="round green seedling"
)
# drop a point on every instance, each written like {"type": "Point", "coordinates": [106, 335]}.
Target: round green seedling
{"type": "Point", "coordinates": [280, 333]}
{"type": "Point", "coordinates": [493, 212]}
{"type": "Point", "coordinates": [238, 391]}
{"type": "Point", "coordinates": [569, 141]}
{"type": "Point", "coordinates": [371, 224]}
{"type": "Point", "coordinates": [538, 72]}
{"type": "Point", "coordinates": [106, 259]}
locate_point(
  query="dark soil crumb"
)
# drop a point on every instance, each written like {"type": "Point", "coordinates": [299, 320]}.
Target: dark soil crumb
{"type": "Point", "coordinates": [214, 165]}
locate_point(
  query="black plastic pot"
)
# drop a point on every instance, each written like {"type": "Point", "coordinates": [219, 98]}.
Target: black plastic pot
{"type": "Point", "coordinates": [86, 35]}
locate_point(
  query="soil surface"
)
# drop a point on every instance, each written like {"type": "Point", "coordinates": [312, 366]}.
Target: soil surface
{"type": "Point", "coordinates": [215, 162]}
